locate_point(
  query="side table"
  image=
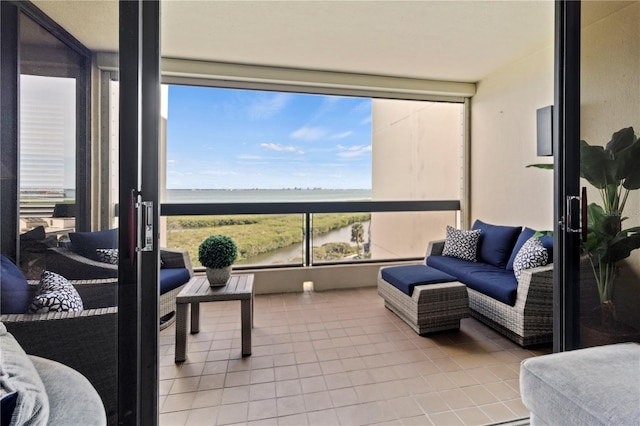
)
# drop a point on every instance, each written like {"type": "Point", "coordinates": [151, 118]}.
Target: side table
{"type": "Point", "coordinates": [197, 290]}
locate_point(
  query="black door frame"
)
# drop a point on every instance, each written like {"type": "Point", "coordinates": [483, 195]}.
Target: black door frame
{"type": "Point", "coordinates": [138, 294]}
{"type": "Point", "coordinates": [566, 139]}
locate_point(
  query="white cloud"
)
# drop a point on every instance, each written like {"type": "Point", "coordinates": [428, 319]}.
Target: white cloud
{"type": "Point", "coordinates": [353, 151]}
{"type": "Point", "coordinates": [267, 106]}
{"type": "Point", "coordinates": [281, 148]}
{"type": "Point", "coordinates": [217, 173]}
{"type": "Point", "coordinates": [341, 135]}
{"type": "Point", "coordinates": [171, 162]}
{"type": "Point", "coordinates": [309, 133]}
{"type": "Point", "coordinates": [366, 120]}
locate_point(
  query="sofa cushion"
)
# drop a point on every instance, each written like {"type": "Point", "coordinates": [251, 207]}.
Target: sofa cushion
{"type": "Point", "coordinates": [496, 242]}
{"type": "Point", "coordinates": [406, 277]}
{"type": "Point", "coordinates": [495, 282]}
{"type": "Point", "coordinates": [86, 243]}
{"type": "Point", "coordinates": [172, 278]}
{"type": "Point", "coordinates": [461, 244]}
{"type": "Point", "coordinates": [531, 255]}
{"type": "Point", "coordinates": [593, 386]}
{"type": "Point", "coordinates": [18, 374]}
{"type": "Point", "coordinates": [522, 238]}
{"type": "Point", "coordinates": [55, 294]}
{"type": "Point", "coordinates": [15, 291]}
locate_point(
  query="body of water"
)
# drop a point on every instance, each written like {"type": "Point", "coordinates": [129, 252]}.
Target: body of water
{"type": "Point", "coordinates": [295, 252]}
{"type": "Point", "coordinates": [265, 195]}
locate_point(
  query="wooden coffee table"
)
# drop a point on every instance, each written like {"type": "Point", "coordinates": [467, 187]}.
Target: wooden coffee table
{"type": "Point", "coordinates": [239, 287]}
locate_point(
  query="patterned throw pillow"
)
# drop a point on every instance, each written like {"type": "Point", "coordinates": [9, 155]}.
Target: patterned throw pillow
{"type": "Point", "coordinates": [55, 294]}
{"type": "Point", "coordinates": [531, 255]}
{"type": "Point", "coordinates": [461, 244]}
{"type": "Point", "coordinates": [108, 256]}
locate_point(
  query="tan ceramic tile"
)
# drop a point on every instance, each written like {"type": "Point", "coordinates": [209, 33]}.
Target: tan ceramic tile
{"type": "Point", "coordinates": [417, 421]}
{"type": "Point", "coordinates": [178, 402]}
{"type": "Point", "coordinates": [405, 407]}
{"type": "Point", "coordinates": [233, 413]}
{"type": "Point", "coordinates": [176, 418]}
{"type": "Point", "coordinates": [290, 405]}
{"type": "Point", "coordinates": [343, 397]}
{"type": "Point", "coordinates": [202, 416]}
{"type": "Point", "coordinates": [211, 381]}
{"type": "Point", "coordinates": [431, 403]}
{"type": "Point", "coordinates": [448, 418]}
{"type": "Point", "coordinates": [235, 394]}
{"type": "Point", "coordinates": [262, 391]}
{"type": "Point", "coordinates": [456, 399]}
{"type": "Point", "coordinates": [497, 412]}
{"type": "Point", "coordinates": [208, 398]}
{"type": "Point", "coordinates": [323, 417]}
{"type": "Point", "coordinates": [288, 388]}
{"type": "Point", "coordinates": [317, 401]}
{"type": "Point", "coordinates": [293, 420]}
{"type": "Point", "coordinates": [262, 409]}
{"type": "Point", "coordinates": [473, 416]}
{"type": "Point", "coordinates": [188, 384]}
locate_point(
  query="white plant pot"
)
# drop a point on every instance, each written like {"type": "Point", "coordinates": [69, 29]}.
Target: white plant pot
{"type": "Point", "coordinates": [218, 277]}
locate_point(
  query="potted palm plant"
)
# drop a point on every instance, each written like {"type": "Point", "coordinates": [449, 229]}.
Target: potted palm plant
{"type": "Point", "coordinates": [614, 170]}
{"type": "Point", "coordinates": [217, 253]}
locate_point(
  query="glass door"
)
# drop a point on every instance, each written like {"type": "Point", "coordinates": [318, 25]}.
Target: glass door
{"type": "Point", "coordinates": [598, 181]}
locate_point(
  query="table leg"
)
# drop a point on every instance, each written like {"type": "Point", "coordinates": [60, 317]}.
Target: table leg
{"type": "Point", "coordinates": [195, 317]}
{"type": "Point", "coordinates": [181, 332]}
{"type": "Point", "coordinates": [247, 321]}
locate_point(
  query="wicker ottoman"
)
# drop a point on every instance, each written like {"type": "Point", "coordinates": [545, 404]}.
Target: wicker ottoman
{"type": "Point", "coordinates": [430, 308]}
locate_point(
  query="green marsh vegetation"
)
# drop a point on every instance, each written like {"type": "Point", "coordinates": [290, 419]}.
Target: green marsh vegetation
{"type": "Point", "coordinates": [254, 234]}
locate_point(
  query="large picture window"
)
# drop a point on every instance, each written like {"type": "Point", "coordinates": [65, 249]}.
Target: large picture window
{"type": "Point", "coordinates": [249, 146]}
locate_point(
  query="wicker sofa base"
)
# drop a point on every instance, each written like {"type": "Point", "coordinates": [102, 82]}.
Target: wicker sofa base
{"type": "Point", "coordinates": [431, 308]}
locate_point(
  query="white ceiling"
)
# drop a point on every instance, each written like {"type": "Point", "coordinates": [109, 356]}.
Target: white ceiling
{"type": "Point", "coordinates": [441, 40]}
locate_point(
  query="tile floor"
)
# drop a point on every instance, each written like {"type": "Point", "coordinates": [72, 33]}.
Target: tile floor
{"type": "Point", "coordinates": [337, 358]}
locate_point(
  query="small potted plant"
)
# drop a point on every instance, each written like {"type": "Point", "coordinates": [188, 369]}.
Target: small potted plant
{"type": "Point", "coordinates": [217, 253]}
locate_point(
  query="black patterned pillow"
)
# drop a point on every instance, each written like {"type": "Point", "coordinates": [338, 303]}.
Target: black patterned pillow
{"type": "Point", "coordinates": [55, 294]}
{"type": "Point", "coordinates": [108, 256]}
{"type": "Point", "coordinates": [461, 244]}
{"type": "Point", "coordinates": [531, 255]}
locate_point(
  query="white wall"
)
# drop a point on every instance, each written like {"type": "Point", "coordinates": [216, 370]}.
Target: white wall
{"type": "Point", "coordinates": [503, 143]}
{"type": "Point", "coordinates": [416, 155]}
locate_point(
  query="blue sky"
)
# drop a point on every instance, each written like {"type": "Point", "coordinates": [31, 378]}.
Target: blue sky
{"type": "Point", "coordinates": [239, 139]}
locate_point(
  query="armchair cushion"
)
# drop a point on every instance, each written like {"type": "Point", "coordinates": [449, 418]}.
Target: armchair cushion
{"type": "Point", "coordinates": [496, 242]}
{"type": "Point", "coordinates": [15, 291]}
{"type": "Point", "coordinates": [172, 278]}
{"type": "Point", "coordinates": [86, 243]}
{"type": "Point", "coordinates": [55, 294]}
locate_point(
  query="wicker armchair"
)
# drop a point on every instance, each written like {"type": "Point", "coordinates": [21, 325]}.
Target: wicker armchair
{"type": "Point", "coordinates": [74, 266]}
{"type": "Point", "coordinates": [86, 341]}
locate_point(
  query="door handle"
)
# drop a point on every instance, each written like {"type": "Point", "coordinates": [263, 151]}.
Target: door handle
{"type": "Point", "coordinates": [573, 205]}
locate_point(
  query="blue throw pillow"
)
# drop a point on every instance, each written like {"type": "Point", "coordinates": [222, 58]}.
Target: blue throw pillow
{"type": "Point", "coordinates": [86, 243]}
{"type": "Point", "coordinates": [524, 236]}
{"type": "Point", "coordinates": [15, 291]}
{"type": "Point", "coordinates": [496, 242]}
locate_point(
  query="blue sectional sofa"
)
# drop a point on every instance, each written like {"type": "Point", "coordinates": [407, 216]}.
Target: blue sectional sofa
{"type": "Point", "coordinates": [520, 308]}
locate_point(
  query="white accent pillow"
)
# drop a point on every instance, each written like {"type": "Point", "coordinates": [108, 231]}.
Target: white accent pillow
{"type": "Point", "coordinates": [531, 255]}
{"type": "Point", "coordinates": [55, 294]}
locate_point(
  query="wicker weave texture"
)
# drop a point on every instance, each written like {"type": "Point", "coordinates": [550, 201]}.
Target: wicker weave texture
{"type": "Point", "coordinates": [530, 320]}
{"type": "Point", "coordinates": [432, 307]}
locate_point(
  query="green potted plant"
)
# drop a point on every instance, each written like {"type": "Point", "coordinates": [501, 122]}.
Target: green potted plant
{"type": "Point", "coordinates": [217, 253]}
{"type": "Point", "coordinates": [615, 171]}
